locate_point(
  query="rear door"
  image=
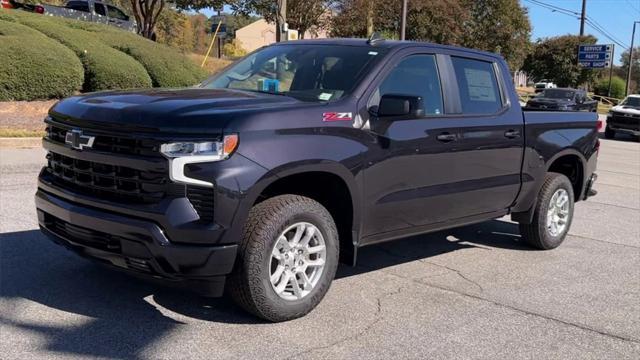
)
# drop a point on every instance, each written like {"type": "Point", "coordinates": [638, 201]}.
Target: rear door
{"type": "Point", "coordinates": [490, 146]}
{"type": "Point", "coordinates": [117, 17]}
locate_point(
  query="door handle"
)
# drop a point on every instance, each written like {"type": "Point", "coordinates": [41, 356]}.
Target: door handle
{"type": "Point", "coordinates": [512, 134]}
{"type": "Point", "coordinates": [446, 137]}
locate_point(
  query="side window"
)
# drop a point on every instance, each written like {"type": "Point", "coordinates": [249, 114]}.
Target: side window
{"type": "Point", "coordinates": [479, 91]}
{"type": "Point", "coordinates": [78, 5]}
{"type": "Point", "coordinates": [100, 9]}
{"type": "Point", "coordinates": [416, 75]}
{"type": "Point", "coordinates": [116, 13]}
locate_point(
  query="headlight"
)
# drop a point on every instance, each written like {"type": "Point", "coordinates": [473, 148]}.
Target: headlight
{"type": "Point", "coordinates": [183, 153]}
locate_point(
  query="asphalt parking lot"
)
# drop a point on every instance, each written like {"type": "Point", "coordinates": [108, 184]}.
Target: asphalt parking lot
{"type": "Point", "coordinates": [474, 292]}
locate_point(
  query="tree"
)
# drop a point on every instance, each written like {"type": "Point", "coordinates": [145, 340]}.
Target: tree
{"type": "Point", "coordinates": [493, 25]}
{"type": "Point", "coordinates": [635, 69]}
{"type": "Point", "coordinates": [556, 58]}
{"type": "Point", "coordinates": [146, 13]}
{"type": "Point", "coordinates": [500, 26]}
{"type": "Point", "coordinates": [302, 15]}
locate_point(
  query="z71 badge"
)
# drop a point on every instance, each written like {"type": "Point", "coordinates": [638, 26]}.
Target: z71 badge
{"type": "Point", "coordinates": [337, 116]}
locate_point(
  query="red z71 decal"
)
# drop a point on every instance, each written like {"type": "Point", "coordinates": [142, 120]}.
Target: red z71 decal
{"type": "Point", "coordinates": [337, 116]}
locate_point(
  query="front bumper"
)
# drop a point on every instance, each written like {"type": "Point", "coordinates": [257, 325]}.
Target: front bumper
{"type": "Point", "coordinates": [136, 245]}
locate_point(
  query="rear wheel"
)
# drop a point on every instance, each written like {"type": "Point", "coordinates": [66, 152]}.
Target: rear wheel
{"type": "Point", "coordinates": [609, 133]}
{"type": "Point", "coordinates": [552, 215]}
{"type": "Point", "coordinates": [288, 258]}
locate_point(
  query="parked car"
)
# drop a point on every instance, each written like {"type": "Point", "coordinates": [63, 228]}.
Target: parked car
{"type": "Point", "coordinates": [264, 176]}
{"type": "Point", "coordinates": [544, 84]}
{"type": "Point", "coordinates": [6, 4]}
{"type": "Point", "coordinates": [624, 118]}
{"type": "Point", "coordinates": [87, 10]}
{"type": "Point", "coordinates": [563, 99]}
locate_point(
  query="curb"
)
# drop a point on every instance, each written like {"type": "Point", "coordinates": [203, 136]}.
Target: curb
{"type": "Point", "coordinates": [21, 143]}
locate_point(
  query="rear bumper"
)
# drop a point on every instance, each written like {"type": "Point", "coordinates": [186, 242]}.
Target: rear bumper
{"type": "Point", "coordinates": [135, 245]}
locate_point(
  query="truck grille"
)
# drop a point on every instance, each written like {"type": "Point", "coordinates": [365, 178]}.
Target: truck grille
{"type": "Point", "coordinates": [82, 235]}
{"type": "Point", "coordinates": [109, 143]}
{"type": "Point", "coordinates": [107, 181]}
{"type": "Point", "coordinates": [627, 120]}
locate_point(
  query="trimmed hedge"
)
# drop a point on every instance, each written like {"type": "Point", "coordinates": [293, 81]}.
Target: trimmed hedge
{"type": "Point", "coordinates": [34, 67]}
{"type": "Point", "coordinates": [111, 58]}
{"type": "Point", "coordinates": [166, 66]}
{"type": "Point", "coordinates": [105, 68]}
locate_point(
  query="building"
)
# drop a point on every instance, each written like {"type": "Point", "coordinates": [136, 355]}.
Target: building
{"type": "Point", "coordinates": [260, 33]}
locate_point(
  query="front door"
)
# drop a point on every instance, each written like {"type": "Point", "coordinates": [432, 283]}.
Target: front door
{"type": "Point", "coordinates": [408, 169]}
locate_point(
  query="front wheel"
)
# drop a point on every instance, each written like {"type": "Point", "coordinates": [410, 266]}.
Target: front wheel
{"type": "Point", "coordinates": [287, 259]}
{"type": "Point", "coordinates": [552, 214]}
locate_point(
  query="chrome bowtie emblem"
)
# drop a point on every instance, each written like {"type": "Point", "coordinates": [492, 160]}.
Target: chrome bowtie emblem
{"type": "Point", "coordinates": [76, 140]}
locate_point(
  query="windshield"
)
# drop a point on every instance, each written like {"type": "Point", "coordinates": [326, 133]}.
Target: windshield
{"type": "Point", "coordinates": [305, 72]}
{"type": "Point", "coordinates": [559, 94]}
{"type": "Point", "coordinates": [631, 102]}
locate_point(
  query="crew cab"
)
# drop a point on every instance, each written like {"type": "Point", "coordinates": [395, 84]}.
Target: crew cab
{"type": "Point", "coordinates": [261, 178]}
{"type": "Point", "coordinates": [87, 10]}
{"type": "Point", "coordinates": [624, 118]}
{"type": "Point", "coordinates": [563, 99]}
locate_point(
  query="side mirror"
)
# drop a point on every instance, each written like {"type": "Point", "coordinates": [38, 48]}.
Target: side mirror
{"type": "Point", "coordinates": [400, 107]}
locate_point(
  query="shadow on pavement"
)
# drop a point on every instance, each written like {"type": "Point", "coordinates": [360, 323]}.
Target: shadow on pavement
{"type": "Point", "coordinates": [120, 322]}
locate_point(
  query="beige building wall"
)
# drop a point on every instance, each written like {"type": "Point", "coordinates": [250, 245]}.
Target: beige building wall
{"type": "Point", "coordinates": [261, 33]}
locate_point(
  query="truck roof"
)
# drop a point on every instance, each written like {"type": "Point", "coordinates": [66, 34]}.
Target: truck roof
{"type": "Point", "coordinates": [386, 44]}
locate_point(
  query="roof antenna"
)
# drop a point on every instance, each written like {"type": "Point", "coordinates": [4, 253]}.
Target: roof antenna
{"type": "Point", "coordinates": [375, 38]}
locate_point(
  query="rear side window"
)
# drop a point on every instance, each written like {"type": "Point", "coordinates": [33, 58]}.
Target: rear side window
{"type": "Point", "coordinates": [100, 9]}
{"type": "Point", "coordinates": [78, 5]}
{"type": "Point", "coordinates": [416, 75]}
{"type": "Point", "coordinates": [116, 13]}
{"type": "Point", "coordinates": [479, 91]}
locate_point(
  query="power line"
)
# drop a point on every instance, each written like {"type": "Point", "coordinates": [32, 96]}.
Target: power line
{"type": "Point", "coordinates": [609, 35]}
{"type": "Point", "coordinates": [594, 25]}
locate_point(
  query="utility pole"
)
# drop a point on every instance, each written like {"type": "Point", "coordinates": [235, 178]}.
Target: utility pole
{"type": "Point", "coordinates": [281, 21]}
{"type": "Point", "coordinates": [403, 20]}
{"type": "Point", "coordinates": [583, 16]}
{"type": "Point", "coordinates": [633, 34]}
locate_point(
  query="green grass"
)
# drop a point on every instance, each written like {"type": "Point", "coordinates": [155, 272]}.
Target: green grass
{"type": "Point", "coordinates": [110, 58]}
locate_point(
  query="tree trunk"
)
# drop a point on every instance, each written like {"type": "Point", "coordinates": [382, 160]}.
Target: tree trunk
{"type": "Point", "coordinates": [370, 5]}
{"type": "Point", "coordinates": [146, 13]}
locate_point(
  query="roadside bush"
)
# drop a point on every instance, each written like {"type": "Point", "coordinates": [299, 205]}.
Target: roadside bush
{"type": "Point", "coordinates": [233, 49]}
{"type": "Point", "coordinates": [105, 68]}
{"type": "Point", "coordinates": [617, 87]}
{"type": "Point", "coordinates": [166, 66]}
{"type": "Point", "coordinates": [34, 67]}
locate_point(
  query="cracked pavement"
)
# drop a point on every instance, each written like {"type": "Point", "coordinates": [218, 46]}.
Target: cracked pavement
{"type": "Point", "coordinates": [473, 292]}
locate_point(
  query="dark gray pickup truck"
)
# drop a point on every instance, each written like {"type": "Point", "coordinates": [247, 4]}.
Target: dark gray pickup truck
{"type": "Point", "coordinates": [87, 10]}
{"type": "Point", "coordinates": [301, 153]}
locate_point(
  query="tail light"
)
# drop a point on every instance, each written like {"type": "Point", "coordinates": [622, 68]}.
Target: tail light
{"type": "Point", "coordinates": [599, 125]}
{"type": "Point", "coordinates": [38, 9]}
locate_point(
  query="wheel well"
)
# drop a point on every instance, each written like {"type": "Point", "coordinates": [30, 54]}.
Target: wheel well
{"type": "Point", "coordinates": [571, 167]}
{"type": "Point", "coordinates": [329, 190]}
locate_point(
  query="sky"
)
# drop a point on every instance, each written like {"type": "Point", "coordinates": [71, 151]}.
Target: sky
{"type": "Point", "coordinates": [615, 17]}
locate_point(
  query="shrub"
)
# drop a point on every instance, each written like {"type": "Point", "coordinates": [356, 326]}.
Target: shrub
{"type": "Point", "coordinates": [166, 66]}
{"type": "Point", "coordinates": [233, 49]}
{"type": "Point", "coordinates": [105, 68]}
{"type": "Point", "coordinates": [617, 87]}
{"type": "Point", "coordinates": [33, 66]}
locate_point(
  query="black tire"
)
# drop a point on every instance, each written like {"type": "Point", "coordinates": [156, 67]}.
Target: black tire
{"type": "Point", "coordinates": [249, 284]}
{"type": "Point", "coordinates": [536, 234]}
{"type": "Point", "coordinates": [609, 133]}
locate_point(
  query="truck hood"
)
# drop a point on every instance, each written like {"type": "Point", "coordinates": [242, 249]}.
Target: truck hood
{"type": "Point", "coordinates": [626, 110]}
{"type": "Point", "coordinates": [189, 111]}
